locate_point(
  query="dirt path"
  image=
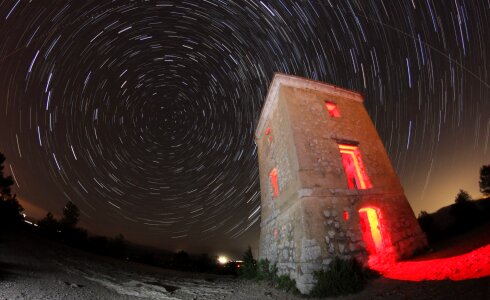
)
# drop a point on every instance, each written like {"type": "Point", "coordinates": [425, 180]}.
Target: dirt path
{"type": "Point", "coordinates": [32, 268]}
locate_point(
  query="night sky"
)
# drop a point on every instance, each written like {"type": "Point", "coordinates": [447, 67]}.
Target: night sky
{"type": "Point", "coordinates": [142, 113]}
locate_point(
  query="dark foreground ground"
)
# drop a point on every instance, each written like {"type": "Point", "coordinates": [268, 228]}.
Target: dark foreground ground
{"type": "Point", "coordinates": [33, 268]}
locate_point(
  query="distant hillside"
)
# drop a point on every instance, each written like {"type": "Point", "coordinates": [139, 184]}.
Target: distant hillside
{"type": "Point", "coordinates": [454, 219]}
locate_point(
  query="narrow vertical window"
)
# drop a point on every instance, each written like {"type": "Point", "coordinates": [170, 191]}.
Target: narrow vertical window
{"type": "Point", "coordinates": [275, 186]}
{"type": "Point", "coordinates": [354, 168]}
{"type": "Point", "coordinates": [332, 108]}
{"type": "Point", "coordinates": [346, 215]}
{"type": "Point", "coordinates": [268, 132]}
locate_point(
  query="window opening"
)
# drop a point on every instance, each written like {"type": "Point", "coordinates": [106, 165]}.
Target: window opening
{"type": "Point", "coordinates": [346, 215]}
{"type": "Point", "coordinates": [354, 168]}
{"type": "Point", "coordinates": [274, 184]}
{"type": "Point", "coordinates": [371, 232]}
{"type": "Point", "coordinates": [332, 108]}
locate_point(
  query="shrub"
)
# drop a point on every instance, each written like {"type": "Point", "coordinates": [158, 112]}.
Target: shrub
{"type": "Point", "coordinates": [249, 268]}
{"type": "Point", "coordinates": [466, 216]}
{"type": "Point", "coordinates": [264, 271]}
{"type": "Point", "coordinates": [427, 224]}
{"type": "Point", "coordinates": [342, 277]}
{"type": "Point", "coordinates": [462, 197]}
{"type": "Point", "coordinates": [287, 284]}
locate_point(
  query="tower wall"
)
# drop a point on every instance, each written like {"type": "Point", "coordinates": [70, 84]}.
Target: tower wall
{"type": "Point", "coordinates": [315, 216]}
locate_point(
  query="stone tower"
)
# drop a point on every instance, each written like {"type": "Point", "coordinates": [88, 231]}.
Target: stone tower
{"type": "Point", "coordinates": [327, 185]}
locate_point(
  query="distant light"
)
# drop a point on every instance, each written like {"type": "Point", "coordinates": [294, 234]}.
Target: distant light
{"type": "Point", "coordinates": [223, 260]}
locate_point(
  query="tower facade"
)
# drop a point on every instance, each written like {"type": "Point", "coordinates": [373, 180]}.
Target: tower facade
{"type": "Point", "coordinates": [328, 188]}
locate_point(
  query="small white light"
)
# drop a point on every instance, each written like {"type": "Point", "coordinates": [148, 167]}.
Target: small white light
{"type": "Point", "coordinates": [223, 260]}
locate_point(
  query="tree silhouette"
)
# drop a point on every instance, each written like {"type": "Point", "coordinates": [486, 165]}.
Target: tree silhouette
{"type": "Point", "coordinates": [71, 215]}
{"type": "Point", "coordinates": [5, 182]}
{"type": "Point", "coordinates": [49, 225]}
{"type": "Point", "coordinates": [485, 180]}
{"type": "Point", "coordinates": [249, 268]}
{"type": "Point", "coordinates": [426, 222]}
{"type": "Point", "coordinates": [181, 260]}
{"type": "Point", "coordinates": [10, 209]}
{"type": "Point", "coordinates": [462, 196]}
{"type": "Point", "coordinates": [117, 246]}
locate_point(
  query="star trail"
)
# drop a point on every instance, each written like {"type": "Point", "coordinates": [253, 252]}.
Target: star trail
{"type": "Point", "coordinates": [142, 113]}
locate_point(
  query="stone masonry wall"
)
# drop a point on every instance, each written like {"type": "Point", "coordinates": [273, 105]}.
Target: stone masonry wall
{"type": "Point", "coordinates": [276, 151]}
{"type": "Point", "coordinates": [304, 228]}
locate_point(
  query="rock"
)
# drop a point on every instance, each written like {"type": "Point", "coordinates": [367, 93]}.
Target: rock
{"type": "Point", "coordinates": [73, 285]}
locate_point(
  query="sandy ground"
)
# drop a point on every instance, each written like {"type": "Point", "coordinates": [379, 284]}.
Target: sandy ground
{"type": "Point", "coordinates": [33, 268]}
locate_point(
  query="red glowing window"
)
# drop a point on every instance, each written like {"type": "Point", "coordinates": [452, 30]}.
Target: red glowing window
{"type": "Point", "coordinates": [371, 232]}
{"type": "Point", "coordinates": [354, 168]}
{"type": "Point", "coordinates": [274, 184]}
{"type": "Point", "coordinates": [346, 215]}
{"type": "Point", "coordinates": [332, 108]}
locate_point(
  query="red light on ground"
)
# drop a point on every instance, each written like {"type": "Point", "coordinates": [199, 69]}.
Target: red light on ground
{"type": "Point", "coordinates": [474, 264]}
{"type": "Point", "coordinates": [274, 184]}
{"type": "Point", "coordinates": [354, 168]}
{"type": "Point", "coordinates": [333, 110]}
{"type": "Point", "coordinates": [346, 215]}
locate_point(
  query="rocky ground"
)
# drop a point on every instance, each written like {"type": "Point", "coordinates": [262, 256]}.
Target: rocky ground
{"type": "Point", "coordinates": [33, 268]}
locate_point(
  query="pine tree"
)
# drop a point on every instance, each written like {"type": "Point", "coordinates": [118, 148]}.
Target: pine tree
{"type": "Point", "coordinates": [485, 180]}
{"type": "Point", "coordinates": [5, 182]}
{"type": "Point", "coordinates": [71, 215]}
{"type": "Point", "coordinates": [462, 197]}
{"type": "Point", "coordinates": [249, 268]}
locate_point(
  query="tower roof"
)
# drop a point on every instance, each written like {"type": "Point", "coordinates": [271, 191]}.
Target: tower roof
{"type": "Point", "coordinates": [302, 83]}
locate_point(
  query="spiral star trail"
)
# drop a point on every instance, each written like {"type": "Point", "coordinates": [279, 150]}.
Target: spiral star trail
{"type": "Point", "coordinates": [142, 113]}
